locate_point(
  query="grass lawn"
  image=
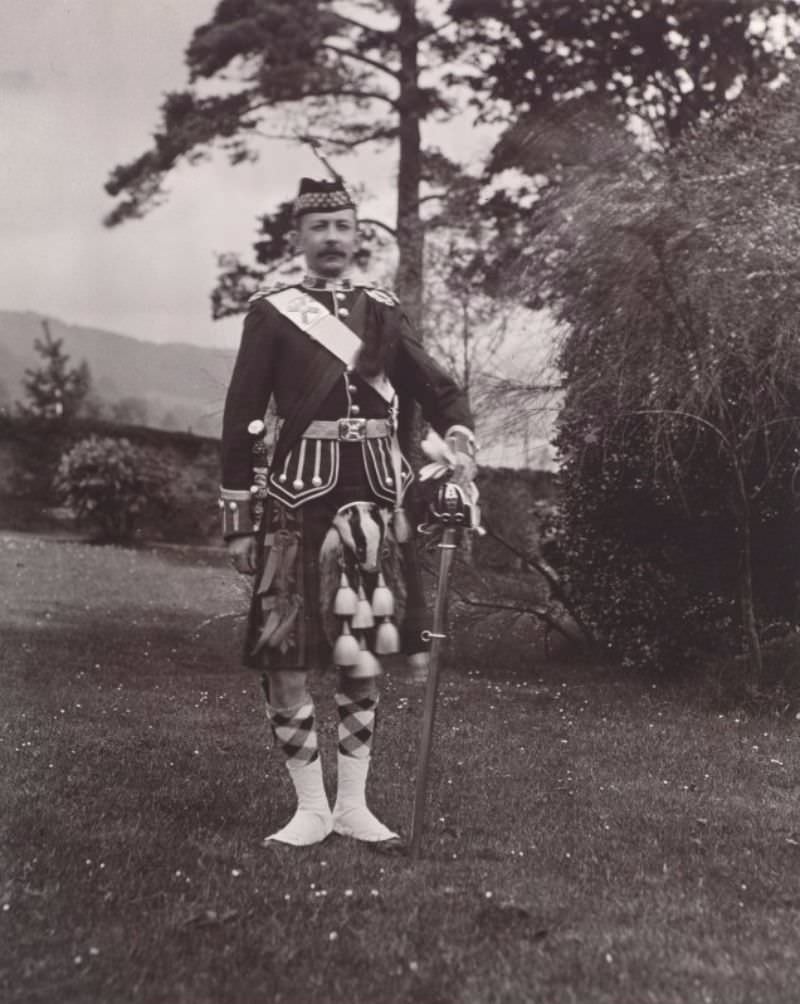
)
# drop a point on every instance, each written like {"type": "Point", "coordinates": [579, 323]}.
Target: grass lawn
{"type": "Point", "coordinates": [592, 837]}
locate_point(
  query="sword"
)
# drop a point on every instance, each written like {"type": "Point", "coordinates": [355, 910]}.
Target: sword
{"type": "Point", "coordinates": [452, 513]}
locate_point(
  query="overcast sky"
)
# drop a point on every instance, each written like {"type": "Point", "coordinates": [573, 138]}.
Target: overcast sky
{"type": "Point", "coordinates": [80, 86]}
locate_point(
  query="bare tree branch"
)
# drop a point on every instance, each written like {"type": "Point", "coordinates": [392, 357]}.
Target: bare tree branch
{"type": "Point", "coordinates": [359, 57]}
{"type": "Point", "coordinates": [371, 222]}
{"type": "Point", "coordinates": [551, 577]}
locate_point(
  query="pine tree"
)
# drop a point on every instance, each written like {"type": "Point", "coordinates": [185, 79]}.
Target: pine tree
{"type": "Point", "coordinates": [54, 391]}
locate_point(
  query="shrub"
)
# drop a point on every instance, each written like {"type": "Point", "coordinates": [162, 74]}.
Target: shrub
{"type": "Point", "coordinates": [112, 485]}
{"type": "Point", "coordinates": [652, 562]}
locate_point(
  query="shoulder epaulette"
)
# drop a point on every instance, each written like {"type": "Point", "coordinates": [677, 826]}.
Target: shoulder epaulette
{"type": "Point", "coordinates": [381, 295]}
{"type": "Point", "coordinates": [263, 294]}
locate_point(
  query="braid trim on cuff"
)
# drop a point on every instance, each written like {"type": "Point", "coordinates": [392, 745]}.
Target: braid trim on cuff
{"type": "Point", "coordinates": [237, 512]}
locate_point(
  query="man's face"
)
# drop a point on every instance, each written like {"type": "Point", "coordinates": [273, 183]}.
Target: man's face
{"type": "Point", "coordinates": [328, 240]}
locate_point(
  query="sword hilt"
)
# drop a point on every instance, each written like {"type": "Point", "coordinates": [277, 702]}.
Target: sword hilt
{"type": "Point", "coordinates": [450, 506]}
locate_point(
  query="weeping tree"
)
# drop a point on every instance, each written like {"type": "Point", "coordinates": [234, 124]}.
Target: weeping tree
{"type": "Point", "coordinates": [589, 86]}
{"type": "Point", "coordinates": [676, 277]}
{"type": "Point", "coordinates": [339, 75]}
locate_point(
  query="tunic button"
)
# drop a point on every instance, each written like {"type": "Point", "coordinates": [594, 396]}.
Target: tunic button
{"type": "Point", "coordinates": [352, 388]}
{"type": "Point", "coordinates": [343, 311]}
{"type": "Point", "coordinates": [341, 296]}
{"type": "Point", "coordinates": [354, 409]}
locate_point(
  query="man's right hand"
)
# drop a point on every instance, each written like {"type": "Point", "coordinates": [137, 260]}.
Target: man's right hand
{"type": "Point", "coordinates": [242, 552]}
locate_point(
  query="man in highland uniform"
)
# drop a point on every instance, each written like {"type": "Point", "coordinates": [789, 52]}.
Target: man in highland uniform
{"type": "Point", "coordinates": [326, 537]}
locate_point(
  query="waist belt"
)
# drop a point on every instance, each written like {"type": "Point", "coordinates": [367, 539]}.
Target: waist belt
{"type": "Point", "coordinates": [349, 430]}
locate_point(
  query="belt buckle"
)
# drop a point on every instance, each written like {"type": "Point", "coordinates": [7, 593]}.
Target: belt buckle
{"type": "Point", "coordinates": [352, 430]}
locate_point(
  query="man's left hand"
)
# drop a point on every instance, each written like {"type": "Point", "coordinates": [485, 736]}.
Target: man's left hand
{"type": "Point", "coordinates": [464, 469]}
{"type": "Point", "coordinates": [462, 447]}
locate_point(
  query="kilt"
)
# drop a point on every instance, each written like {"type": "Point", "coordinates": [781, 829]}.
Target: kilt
{"type": "Point", "coordinates": [294, 584]}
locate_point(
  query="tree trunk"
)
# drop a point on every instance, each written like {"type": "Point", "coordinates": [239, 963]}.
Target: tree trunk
{"type": "Point", "coordinates": [410, 234]}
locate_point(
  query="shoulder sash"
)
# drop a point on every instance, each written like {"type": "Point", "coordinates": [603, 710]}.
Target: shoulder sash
{"type": "Point", "coordinates": [314, 318]}
{"type": "Point", "coordinates": [317, 322]}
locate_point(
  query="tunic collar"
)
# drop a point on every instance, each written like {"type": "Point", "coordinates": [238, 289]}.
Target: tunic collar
{"type": "Point", "coordinates": [319, 282]}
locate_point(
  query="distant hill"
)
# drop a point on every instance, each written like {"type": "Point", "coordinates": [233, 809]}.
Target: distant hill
{"type": "Point", "coordinates": [182, 385]}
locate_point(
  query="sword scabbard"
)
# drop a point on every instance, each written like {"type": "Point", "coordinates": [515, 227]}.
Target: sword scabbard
{"type": "Point", "coordinates": [437, 635]}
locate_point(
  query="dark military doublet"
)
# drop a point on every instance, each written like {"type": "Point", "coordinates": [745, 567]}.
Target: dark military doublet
{"type": "Point", "coordinates": [349, 439]}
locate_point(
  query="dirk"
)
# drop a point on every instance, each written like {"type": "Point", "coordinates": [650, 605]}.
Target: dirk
{"type": "Point", "coordinates": [258, 490]}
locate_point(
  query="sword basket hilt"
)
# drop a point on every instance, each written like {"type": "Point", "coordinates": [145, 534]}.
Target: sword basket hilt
{"type": "Point", "coordinates": [450, 506]}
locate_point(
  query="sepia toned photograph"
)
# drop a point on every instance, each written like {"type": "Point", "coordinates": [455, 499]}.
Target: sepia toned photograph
{"type": "Point", "coordinates": [399, 502]}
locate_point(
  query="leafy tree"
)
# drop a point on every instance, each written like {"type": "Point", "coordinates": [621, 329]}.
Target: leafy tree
{"type": "Point", "coordinates": [345, 74]}
{"type": "Point", "coordinates": [667, 64]}
{"type": "Point", "coordinates": [55, 391]}
{"type": "Point", "coordinates": [570, 72]}
{"type": "Point", "coordinates": [677, 281]}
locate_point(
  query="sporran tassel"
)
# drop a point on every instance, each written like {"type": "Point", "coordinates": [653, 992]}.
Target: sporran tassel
{"type": "Point", "coordinates": [346, 648]}
{"type": "Point", "coordinates": [366, 663]}
{"type": "Point", "coordinates": [345, 602]}
{"type": "Point", "coordinates": [363, 618]}
{"type": "Point", "coordinates": [387, 638]}
{"type": "Point", "coordinates": [382, 599]}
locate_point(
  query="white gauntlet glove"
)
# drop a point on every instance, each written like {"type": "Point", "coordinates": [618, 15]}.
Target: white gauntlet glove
{"type": "Point", "coordinates": [461, 445]}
